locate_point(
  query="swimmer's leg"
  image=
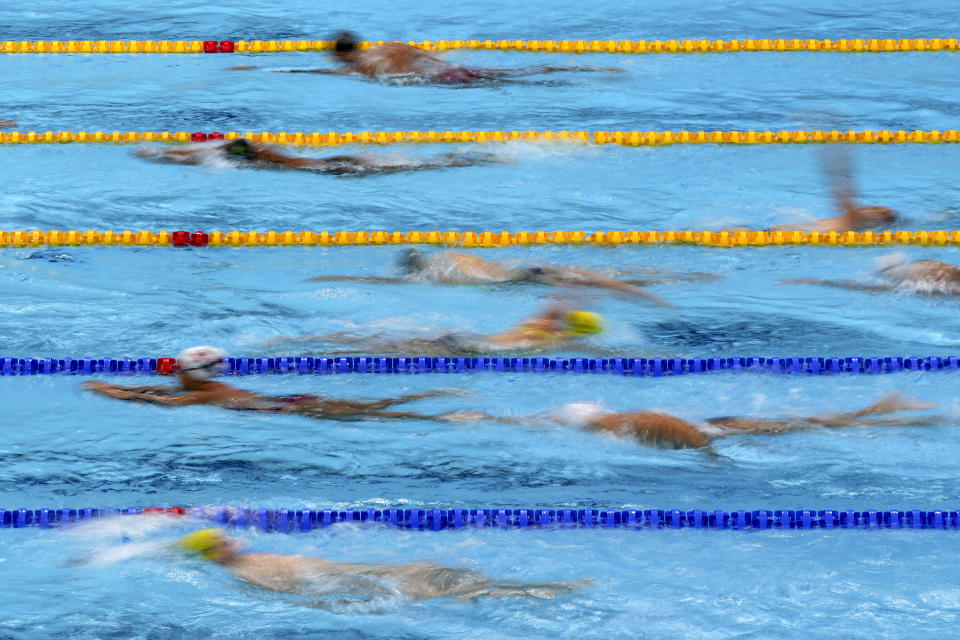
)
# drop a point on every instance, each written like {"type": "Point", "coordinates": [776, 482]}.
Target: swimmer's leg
{"type": "Point", "coordinates": [410, 397]}
{"type": "Point", "coordinates": [890, 403]}
{"type": "Point", "coordinates": [327, 71]}
{"type": "Point", "coordinates": [840, 284]}
{"type": "Point", "coordinates": [333, 408]}
{"type": "Point", "coordinates": [505, 589]}
{"type": "Point", "coordinates": [676, 277]}
{"type": "Point", "coordinates": [747, 425]}
{"type": "Point", "coordinates": [544, 69]}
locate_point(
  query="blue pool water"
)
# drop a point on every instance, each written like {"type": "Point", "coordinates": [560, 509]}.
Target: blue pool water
{"type": "Point", "coordinates": [65, 447]}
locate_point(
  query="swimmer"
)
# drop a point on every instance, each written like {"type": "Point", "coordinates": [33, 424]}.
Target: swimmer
{"type": "Point", "coordinates": [930, 277]}
{"type": "Point", "coordinates": [318, 576]}
{"type": "Point", "coordinates": [669, 432]}
{"type": "Point", "coordinates": [7, 124]}
{"type": "Point", "coordinates": [396, 58]}
{"type": "Point", "coordinates": [199, 365]}
{"type": "Point", "coordinates": [457, 267]}
{"type": "Point", "coordinates": [555, 327]}
{"type": "Point", "coordinates": [254, 156]}
{"type": "Point", "coordinates": [838, 167]}
{"type": "Point", "coordinates": [839, 170]}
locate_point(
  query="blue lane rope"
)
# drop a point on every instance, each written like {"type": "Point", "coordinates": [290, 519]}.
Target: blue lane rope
{"type": "Point", "coordinates": [290, 520]}
{"type": "Point", "coordinates": [425, 364]}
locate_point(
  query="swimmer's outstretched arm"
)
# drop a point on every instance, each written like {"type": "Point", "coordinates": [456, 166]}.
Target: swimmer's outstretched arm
{"type": "Point", "coordinates": [6, 124]}
{"type": "Point", "coordinates": [119, 392]}
{"type": "Point", "coordinates": [841, 284]}
{"type": "Point", "coordinates": [587, 278]}
{"type": "Point", "coordinates": [371, 279]}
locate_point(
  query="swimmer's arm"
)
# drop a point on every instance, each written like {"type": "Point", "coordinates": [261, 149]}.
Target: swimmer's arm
{"type": "Point", "coordinates": [182, 156]}
{"type": "Point", "coordinates": [840, 284]}
{"type": "Point", "coordinates": [373, 279]}
{"type": "Point", "coordinates": [4, 124]}
{"type": "Point", "coordinates": [126, 393]}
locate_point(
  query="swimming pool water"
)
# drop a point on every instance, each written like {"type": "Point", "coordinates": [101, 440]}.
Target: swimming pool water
{"type": "Point", "coordinates": [65, 447]}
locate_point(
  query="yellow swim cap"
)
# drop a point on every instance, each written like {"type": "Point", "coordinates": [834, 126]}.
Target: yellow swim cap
{"type": "Point", "coordinates": [582, 323]}
{"type": "Point", "coordinates": [203, 542]}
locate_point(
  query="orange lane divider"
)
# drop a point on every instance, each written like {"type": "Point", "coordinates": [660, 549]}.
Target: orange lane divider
{"type": "Point", "coordinates": [852, 45]}
{"type": "Point", "coordinates": [622, 138]}
{"type": "Point", "coordinates": [470, 239]}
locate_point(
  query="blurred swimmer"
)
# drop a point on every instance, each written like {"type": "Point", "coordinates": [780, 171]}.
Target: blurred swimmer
{"type": "Point", "coordinates": [555, 327]}
{"type": "Point", "coordinates": [6, 124]}
{"type": "Point", "coordinates": [244, 153]}
{"type": "Point", "coordinates": [399, 59]}
{"type": "Point", "coordinates": [318, 576]}
{"type": "Point", "coordinates": [199, 365]}
{"type": "Point", "coordinates": [457, 267]}
{"type": "Point", "coordinates": [838, 166]}
{"type": "Point", "coordinates": [669, 432]}
{"type": "Point", "coordinates": [930, 277]}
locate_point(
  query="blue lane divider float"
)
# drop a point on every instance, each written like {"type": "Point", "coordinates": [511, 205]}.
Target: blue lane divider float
{"type": "Point", "coordinates": [425, 364]}
{"type": "Point", "coordinates": [291, 520]}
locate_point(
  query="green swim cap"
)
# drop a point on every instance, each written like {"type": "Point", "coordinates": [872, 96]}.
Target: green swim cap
{"type": "Point", "coordinates": [582, 323]}
{"type": "Point", "coordinates": [240, 148]}
{"type": "Point", "coordinates": [203, 542]}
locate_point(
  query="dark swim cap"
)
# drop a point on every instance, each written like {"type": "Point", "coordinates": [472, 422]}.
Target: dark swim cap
{"type": "Point", "coordinates": [240, 147]}
{"type": "Point", "coordinates": [411, 261]}
{"type": "Point", "coordinates": [346, 42]}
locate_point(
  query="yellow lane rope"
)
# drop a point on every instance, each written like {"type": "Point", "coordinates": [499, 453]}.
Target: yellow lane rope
{"type": "Point", "coordinates": [854, 45]}
{"type": "Point", "coordinates": [624, 138]}
{"type": "Point", "coordinates": [19, 239]}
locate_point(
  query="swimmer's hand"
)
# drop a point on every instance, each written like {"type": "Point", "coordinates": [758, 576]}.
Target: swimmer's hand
{"type": "Point", "coordinates": [106, 389]}
{"type": "Point", "coordinates": [126, 393]}
{"type": "Point", "coordinates": [242, 68]}
{"type": "Point", "coordinates": [6, 124]}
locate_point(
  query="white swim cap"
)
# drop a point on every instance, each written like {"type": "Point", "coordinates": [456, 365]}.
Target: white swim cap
{"type": "Point", "coordinates": [577, 414]}
{"type": "Point", "coordinates": [201, 363]}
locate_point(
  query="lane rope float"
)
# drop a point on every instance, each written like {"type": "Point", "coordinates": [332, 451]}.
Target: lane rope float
{"type": "Point", "coordinates": [853, 45]}
{"type": "Point", "coordinates": [470, 239]}
{"type": "Point", "coordinates": [630, 366]}
{"type": "Point", "coordinates": [620, 138]}
{"type": "Point", "coordinates": [436, 519]}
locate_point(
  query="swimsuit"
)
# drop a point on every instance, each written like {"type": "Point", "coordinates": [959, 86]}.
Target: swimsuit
{"type": "Point", "coordinates": [281, 403]}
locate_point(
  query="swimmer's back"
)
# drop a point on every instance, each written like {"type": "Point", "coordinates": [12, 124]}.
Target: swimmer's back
{"type": "Point", "coordinates": [649, 427]}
